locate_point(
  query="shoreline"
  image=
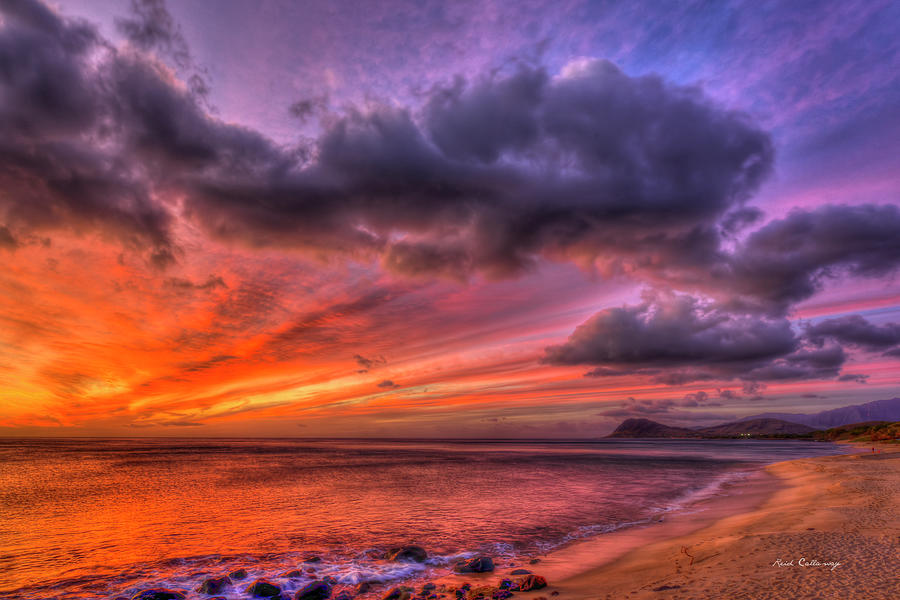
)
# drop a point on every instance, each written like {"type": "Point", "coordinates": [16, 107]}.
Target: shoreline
{"type": "Point", "coordinates": [749, 543]}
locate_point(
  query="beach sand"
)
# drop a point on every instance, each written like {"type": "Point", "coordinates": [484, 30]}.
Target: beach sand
{"type": "Point", "coordinates": [842, 509]}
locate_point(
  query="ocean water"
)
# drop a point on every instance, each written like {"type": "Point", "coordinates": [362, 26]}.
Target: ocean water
{"type": "Point", "coordinates": [108, 518]}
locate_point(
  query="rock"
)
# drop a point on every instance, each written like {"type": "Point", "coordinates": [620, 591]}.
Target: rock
{"type": "Point", "coordinates": [312, 558]}
{"type": "Point", "coordinates": [214, 585]}
{"type": "Point", "coordinates": [396, 593]}
{"type": "Point", "coordinates": [428, 587]}
{"type": "Point", "coordinates": [506, 584]}
{"type": "Point", "coordinates": [501, 595]}
{"type": "Point", "coordinates": [262, 588]}
{"type": "Point", "coordinates": [343, 595]}
{"type": "Point", "coordinates": [531, 582]}
{"type": "Point", "coordinates": [554, 593]}
{"type": "Point", "coordinates": [663, 588]}
{"type": "Point", "coordinates": [159, 594]}
{"type": "Point", "coordinates": [238, 575]}
{"type": "Point", "coordinates": [520, 572]}
{"type": "Point", "coordinates": [407, 554]}
{"type": "Point", "coordinates": [317, 590]}
{"type": "Point", "coordinates": [362, 587]}
{"type": "Point", "coordinates": [295, 574]}
{"type": "Point", "coordinates": [330, 580]}
{"type": "Point", "coordinates": [479, 564]}
{"type": "Point", "coordinates": [534, 561]}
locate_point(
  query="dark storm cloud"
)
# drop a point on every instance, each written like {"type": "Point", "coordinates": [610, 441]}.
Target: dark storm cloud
{"type": "Point", "coordinates": [854, 330]}
{"type": "Point", "coordinates": [491, 174]}
{"type": "Point", "coordinates": [387, 383]}
{"type": "Point", "coordinates": [678, 339]}
{"type": "Point", "coordinates": [496, 173]}
{"type": "Point", "coordinates": [788, 260]}
{"type": "Point", "coordinates": [60, 162]}
{"type": "Point", "coordinates": [151, 27]}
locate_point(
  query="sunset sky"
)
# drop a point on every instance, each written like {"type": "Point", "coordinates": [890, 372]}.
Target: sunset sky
{"type": "Point", "coordinates": [430, 219]}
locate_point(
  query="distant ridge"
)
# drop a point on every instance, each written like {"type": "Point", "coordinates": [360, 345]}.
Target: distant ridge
{"type": "Point", "coordinates": [758, 427]}
{"type": "Point", "coordinates": [645, 428]}
{"type": "Point", "coordinates": [879, 410]}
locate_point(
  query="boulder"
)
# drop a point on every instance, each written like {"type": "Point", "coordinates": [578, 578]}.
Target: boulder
{"type": "Point", "coordinates": [262, 588]}
{"type": "Point", "coordinates": [238, 574]}
{"type": "Point", "coordinates": [478, 564]}
{"type": "Point", "coordinates": [343, 595]}
{"type": "Point", "coordinates": [520, 572]}
{"type": "Point", "coordinates": [362, 587]}
{"type": "Point", "coordinates": [407, 554]}
{"type": "Point", "coordinates": [428, 588]}
{"type": "Point", "coordinates": [501, 595]}
{"type": "Point", "coordinates": [317, 590]}
{"type": "Point", "coordinates": [531, 582]}
{"type": "Point", "coordinates": [506, 584]}
{"type": "Point", "coordinates": [396, 593]}
{"type": "Point", "coordinates": [330, 580]}
{"type": "Point", "coordinates": [534, 561]}
{"type": "Point", "coordinates": [159, 594]}
{"type": "Point", "coordinates": [312, 558]}
{"type": "Point", "coordinates": [295, 574]}
{"type": "Point", "coordinates": [214, 585]}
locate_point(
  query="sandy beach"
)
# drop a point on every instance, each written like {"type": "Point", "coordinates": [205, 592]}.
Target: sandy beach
{"type": "Point", "coordinates": [778, 537]}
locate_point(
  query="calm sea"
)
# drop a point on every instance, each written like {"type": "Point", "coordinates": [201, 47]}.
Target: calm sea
{"type": "Point", "coordinates": [108, 518]}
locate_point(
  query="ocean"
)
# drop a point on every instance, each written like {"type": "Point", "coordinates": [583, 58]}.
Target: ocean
{"type": "Point", "coordinates": [101, 519]}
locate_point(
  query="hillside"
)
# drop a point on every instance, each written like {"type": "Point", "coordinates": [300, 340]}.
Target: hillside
{"type": "Point", "coordinates": [757, 427]}
{"type": "Point", "coordinates": [645, 428]}
{"type": "Point", "coordinates": [862, 432]}
{"type": "Point", "coordinates": [879, 410]}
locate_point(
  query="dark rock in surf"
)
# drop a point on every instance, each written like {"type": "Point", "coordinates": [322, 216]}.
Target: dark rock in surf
{"type": "Point", "coordinates": [520, 572]}
{"type": "Point", "coordinates": [479, 564]}
{"type": "Point", "coordinates": [530, 582]}
{"type": "Point", "coordinates": [397, 593]}
{"type": "Point", "coordinates": [343, 595]}
{"type": "Point", "coordinates": [317, 590]}
{"type": "Point", "coordinates": [428, 588]}
{"type": "Point", "coordinates": [295, 574]}
{"type": "Point", "coordinates": [312, 558]}
{"type": "Point", "coordinates": [407, 554]}
{"type": "Point", "coordinates": [159, 594]}
{"type": "Point", "coordinates": [534, 561]}
{"type": "Point", "coordinates": [362, 587]}
{"type": "Point", "coordinates": [506, 584]}
{"type": "Point", "coordinates": [238, 575]}
{"type": "Point", "coordinates": [262, 588]}
{"type": "Point", "coordinates": [501, 595]}
{"type": "Point", "coordinates": [330, 580]}
{"type": "Point", "coordinates": [214, 585]}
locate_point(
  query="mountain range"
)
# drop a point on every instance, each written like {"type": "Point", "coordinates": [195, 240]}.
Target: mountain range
{"type": "Point", "coordinates": [768, 424]}
{"type": "Point", "coordinates": [879, 410]}
{"type": "Point", "coordinates": [645, 428]}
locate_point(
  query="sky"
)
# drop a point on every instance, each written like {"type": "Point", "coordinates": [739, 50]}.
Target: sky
{"type": "Point", "coordinates": [429, 219]}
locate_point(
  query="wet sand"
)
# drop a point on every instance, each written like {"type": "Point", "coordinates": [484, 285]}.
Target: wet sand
{"type": "Point", "coordinates": [774, 537]}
